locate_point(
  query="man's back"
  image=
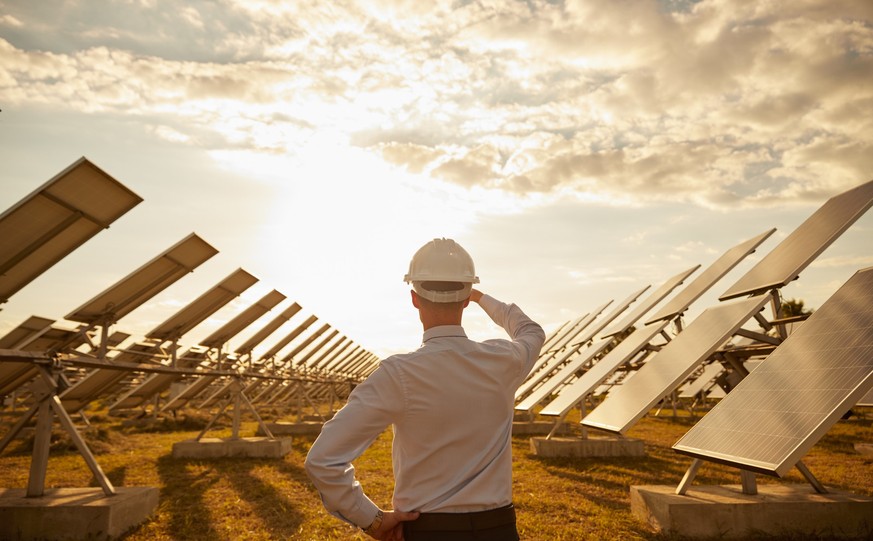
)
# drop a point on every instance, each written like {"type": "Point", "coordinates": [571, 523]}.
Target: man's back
{"type": "Point", "coordinates": [454, 421]}
{"type": "Point", "coordinates": [451, 405]}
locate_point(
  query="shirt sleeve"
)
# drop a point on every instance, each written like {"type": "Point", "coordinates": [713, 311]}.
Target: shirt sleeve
{"type": "Point", "coordinates": [523, 331]}
{"type": "Point", "coordinates": [370, 410]}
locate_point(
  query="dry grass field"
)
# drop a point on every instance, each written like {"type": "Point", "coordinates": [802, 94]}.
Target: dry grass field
{"type": "Point", "coordinates": [266, 499]}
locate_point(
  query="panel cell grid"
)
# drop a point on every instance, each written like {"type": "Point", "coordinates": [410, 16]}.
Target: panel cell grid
{"type": "Point", "coordinates": [672, 365]}
{"type": "Point", "coordinates": [778, 412]}
{"type": "Point", "coordinates": [805, 243]}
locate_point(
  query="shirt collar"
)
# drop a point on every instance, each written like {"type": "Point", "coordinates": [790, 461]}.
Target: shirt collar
{"type": "Point", "coordinates": [444, 331]}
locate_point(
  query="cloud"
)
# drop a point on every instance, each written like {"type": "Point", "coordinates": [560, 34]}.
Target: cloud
{"type": "Point", "coordinates": [9, 20]}
{"type": "Point", "coordinates": [843, 261]}
{"type": "Point", "coordinates": [713, 103]}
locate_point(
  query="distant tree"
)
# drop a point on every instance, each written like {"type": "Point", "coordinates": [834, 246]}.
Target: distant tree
{"type": "Point", "coordinates": [794, 307]}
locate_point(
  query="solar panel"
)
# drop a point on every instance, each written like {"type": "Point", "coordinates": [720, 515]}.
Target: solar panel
{"type": "Point", "coordinates": [243, 320]}
{"type": "Point", "coordinates": [650, 301]}
{"type": "Point", "coordinates": [601, 323]}
{"type": "Point", "coordinates": [580, 326]}
{"type": "Point", "coordinates": [708, 278]}
{"type": "Point", "coordinates": [703, 379]}
{"type": "Point", "coordinates": [102, 380]}
{"type": "Point", "coordinates": [805, 243]}
{"type": "Point", "coordinates": [268, 329]}
{"type": "Point", "coordinates": [563, 374]}
{"type": "Point", "coordinates": [290, 356]}
{"type": "Point", "coordinates": [55, 219]}
{"type": "Point", "coordinates": [291, 336]}
{"type": "Point", "coordinates": [316, 348]}
{"type": "Point", "coordinates": [157, 383]}
{"type": "Point", "coordinates": [781, 409]}
{"type": "Point", "coordinates": [145, 282]}
{"type": "Point", "coordinates": [342, 356]}
{"type": "Point", "coordinates": [572, 355]}
{"type": "Point", "coordinates": [25, 332]}
{"type": "Point", "coordinates": [198, 310]}
{"type": "Point", "coordinates": [668, 368]}
{"type": "Point", "coordinates": [36, 335]}
{"type": "Point", "coordinates": [554, 335]}
{"type": "Point", "coordinates": [548, 358]}
{"type": "Point", "coordinates": [189, 393]}
{"type": "Point", "coordinates": [316, 363]}
{"type": "Point", "coordinates": [575, 392]}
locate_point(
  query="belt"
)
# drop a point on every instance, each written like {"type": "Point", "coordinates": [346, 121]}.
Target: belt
{"type": "Point", "coordinates": [462, 522]}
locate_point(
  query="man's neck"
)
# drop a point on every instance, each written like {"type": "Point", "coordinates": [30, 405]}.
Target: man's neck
{"type": "Point", "coordinates": [429, 321]}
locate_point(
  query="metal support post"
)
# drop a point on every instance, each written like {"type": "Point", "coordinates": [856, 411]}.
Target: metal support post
{"type": "Point", "coordinates": [750, 486]}
{"type": "Point", "coordinates": [689, 476]}
{"type": "Point", "coordinates": [236, 389]}
{"type": "Point", "coordinates": [816, 484]}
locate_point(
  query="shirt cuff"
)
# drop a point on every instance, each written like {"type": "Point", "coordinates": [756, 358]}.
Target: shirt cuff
{"type": "Point", "coordinates": [364, 515]}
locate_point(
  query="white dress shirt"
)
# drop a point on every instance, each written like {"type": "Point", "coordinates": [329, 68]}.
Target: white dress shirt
{"type": "Point", "coordinates": [451, 405]}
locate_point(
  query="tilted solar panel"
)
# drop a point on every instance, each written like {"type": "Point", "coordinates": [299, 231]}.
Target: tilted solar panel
{"type": "Point", "coordinates": [289, 337]}
{"type": "Point", "coordinates": [27, 331]}
{"type": "Point", "coordinates": [55, 219]}
{"type": "Point", "coordinates": [204, 306]}
{"type": "Point", "coordinates": [804, 244]}
{"type": "Point", "coordinates": [782, 408]}
{"type": "Point", "coordinates": [668, 368]}
{"type": "Point", "coordinates": [708, 278]}
{"type": "Point", "coordinates": [242, 320]}
{"type": "Point", "coordinates": [703, 379]}
{"type": "Point", "coordinates": [563, 374]}
{"type": "Point", "coordinates": [268, 329]}
{"type": "Point", "coordinates": [572, 394]}
{"type": "Point", "coordinates": [145, 282]}
{"type": "Point", "coordinates": [646, 304]}
{"type": "Point", "coordinates": [601, 323]}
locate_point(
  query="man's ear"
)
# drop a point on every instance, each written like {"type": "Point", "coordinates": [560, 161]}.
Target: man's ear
{"type": "Point", "coordinates": [467, 302]}
{"type": "Point", "coordinates": [414, 299]}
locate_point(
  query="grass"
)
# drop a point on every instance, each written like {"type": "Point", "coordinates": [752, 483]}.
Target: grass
{"type": "Point", "coordinates": [265, 499]}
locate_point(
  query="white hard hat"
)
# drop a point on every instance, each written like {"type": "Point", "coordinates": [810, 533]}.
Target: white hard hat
{"type": "Point", "coordinates": [442, 260]}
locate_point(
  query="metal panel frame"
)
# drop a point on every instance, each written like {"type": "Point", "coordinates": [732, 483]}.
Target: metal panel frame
{"type": "Point", "coordinates": [705, 280]}
{"type": "Point", "coordinates": [574, 393]}
{"type": "Point", "coordinates": [645, 305]}
{"type": "Point", "coordinates": [145, 282]}
{"type": "Point", "coordinates": [785, 263]}
{"type": "Point", "coordinates": [55, 219]}
{"type": "Point", "coordinates": [204, 306]}
{"type": "Point", "coordinates": [672, 365]}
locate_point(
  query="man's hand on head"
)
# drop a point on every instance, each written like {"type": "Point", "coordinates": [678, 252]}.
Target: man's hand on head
{"type": "Point", "coordinates": [475, 295]}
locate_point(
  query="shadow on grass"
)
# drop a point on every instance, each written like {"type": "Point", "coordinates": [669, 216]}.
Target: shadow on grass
{"type": "Point", "coordinates": [116, 476]}
{"type": "Point", "coordinates": [185, 501]}
{"type": "Point", "coordinates": [278, 513]}
{"type": "Point", "coordinates": [182, 498]}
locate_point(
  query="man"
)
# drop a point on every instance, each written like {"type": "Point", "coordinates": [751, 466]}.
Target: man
{"type": "Point", "coordinates": [451, 406]}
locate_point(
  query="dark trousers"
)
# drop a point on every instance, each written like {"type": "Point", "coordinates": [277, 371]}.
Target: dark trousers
{"type": "Point", "coordinates": [492, 525]}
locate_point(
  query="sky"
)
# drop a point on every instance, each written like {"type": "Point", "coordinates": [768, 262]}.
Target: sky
{"type": "Point", "coordinates": [579, 150]}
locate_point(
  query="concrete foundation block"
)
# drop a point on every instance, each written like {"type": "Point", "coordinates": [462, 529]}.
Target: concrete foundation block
{"type": "Point", "coordinates": [725, 512]}
{"type": "Point", "coordinates": [242, 447]}
{"type": "Point", "coordinates": [293, 429]}
{"type": "Point", "coordinates": [864, 448]}
{"type": "Point", "coordinates": [74, 513]}
{"type": "Point", "coordinates": [319, 418]}
{"type": "Point", "coordinates": [587, 447]}
{"type": "Point", "coordinates": [536, 428]}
